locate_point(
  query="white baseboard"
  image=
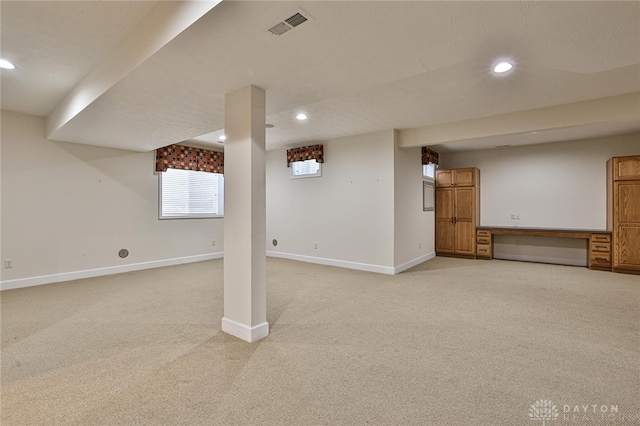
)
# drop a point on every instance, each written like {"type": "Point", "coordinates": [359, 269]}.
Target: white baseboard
{"type": "Point", "coordinates": [542, 259]}
{"type": "Point", "coordinates": [414, 262]}
{"type": "Point", "coordinates": [90, 273]}
{"type": "Point", "coordinates": [388, 270]}
{"type": "Point", "coordinates": [333, 262]}
{"type": "Point", "coordinates": [244, 332]}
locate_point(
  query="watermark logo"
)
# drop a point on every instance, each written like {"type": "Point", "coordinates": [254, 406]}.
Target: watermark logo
{"type": "Point", "coordinates": [543, 410]}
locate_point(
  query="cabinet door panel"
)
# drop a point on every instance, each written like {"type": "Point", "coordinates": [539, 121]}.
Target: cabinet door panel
{"type": "Point", "coordinates": [444, 178]}
{"type": "Point", "coordinates": [465, 177]}
{"type": "Point", "coordinates": [445, 237]}
{"type": "Point", "coordinates": [626, 168]}
{"type": "Point", "coordinates": [444, 220]}
{"type": "Point", "coordinates": [465, 238]}
{"type": "Point", "coordinates": [465, 221]}
{"type": "Point", "coordinates": [464, 202]}
{"type": "Point", "coordinates": [627, 202]}
{"type": "Point", "coordinates": [628, 248]}
{"type": "Point", "coordinates": [444, 204]}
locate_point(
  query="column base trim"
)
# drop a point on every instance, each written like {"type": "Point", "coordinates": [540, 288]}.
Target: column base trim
{"type": "Point", "coordinates": [388, 270]}
{"type": "Point", "coordinates": [414, 262]}
{"type": "Point", "coordinates": [244, 332]}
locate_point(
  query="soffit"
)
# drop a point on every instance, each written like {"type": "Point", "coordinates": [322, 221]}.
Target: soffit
{"type": "Point", "coordinates": [360, 67]}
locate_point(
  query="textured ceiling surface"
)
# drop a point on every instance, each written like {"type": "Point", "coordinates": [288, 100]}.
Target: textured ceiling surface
{"type": "Point", "coordinates": [548, 136]}
{"type": "Point", "coordinates": [354, 67]}
{"type": "Point", "coordinates": [54, 44]}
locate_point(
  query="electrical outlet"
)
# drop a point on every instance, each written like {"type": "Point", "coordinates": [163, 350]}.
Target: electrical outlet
{"type": "Point", "coordinates": [213, 243]}
{"type": "Point", "coordinates": [315, 245]}
{"type": "Point", "coordinates": [8, 263]}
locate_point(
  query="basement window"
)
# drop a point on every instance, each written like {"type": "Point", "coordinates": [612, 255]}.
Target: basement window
{"type": "Point", "coordinates": [429, 171]}
{"type": "Point", "coordinates": [305, 169]}
{"type": "Point", "coordinates": [190, 194]}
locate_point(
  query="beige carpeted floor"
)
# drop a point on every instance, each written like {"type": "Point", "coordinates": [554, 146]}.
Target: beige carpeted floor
{"type": "Point", "coordinates": [450, 342]}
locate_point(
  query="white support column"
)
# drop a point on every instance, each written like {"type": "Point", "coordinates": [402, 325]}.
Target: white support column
{"type": "Point", "coordinates": [245, 258]}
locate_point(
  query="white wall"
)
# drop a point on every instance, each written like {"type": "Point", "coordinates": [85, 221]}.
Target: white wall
{"type": "Point", "coordinates": [414, 236]}
{"type": "Point", "coordinates": [68, 208]}
{"type": "Point", "coordinates": [365, 212]}
{"type": "Point", "coordinates": [348, 211]}
{"type": "Point", "coordinates": [555, 185]}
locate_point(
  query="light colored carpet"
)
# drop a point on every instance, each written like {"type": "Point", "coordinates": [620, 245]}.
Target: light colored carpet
{"type": "Point", "coordinates": [450, 342]}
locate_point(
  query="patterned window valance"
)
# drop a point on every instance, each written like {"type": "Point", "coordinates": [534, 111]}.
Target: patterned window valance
{"type": "Point", "coordinates": [429, 156]}
{"type": "Point", "coordinates": [314, 152]}
{"type": "Point", "coordinates": [187, 158]}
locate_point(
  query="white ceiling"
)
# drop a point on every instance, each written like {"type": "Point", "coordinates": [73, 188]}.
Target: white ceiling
{"type": "Point", "coordinates": [54, 44]}
{"type": "Point", "coordinates": [354, 67]}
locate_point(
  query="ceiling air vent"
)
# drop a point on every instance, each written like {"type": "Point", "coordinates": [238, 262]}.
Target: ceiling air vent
{"type": "Point", "coordinates": [288, 24]}
{"type": "Point", "coordinates": [295, 20]}
{"type": "Point", "coordinates": [279, 29]}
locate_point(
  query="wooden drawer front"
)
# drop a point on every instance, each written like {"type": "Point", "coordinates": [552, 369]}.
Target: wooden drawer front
{"type": "Point", "coordinates": [482, 233]}
{"type": "Point", "coordinates": [600, 238]}
{"type": "Point", "coordinates": [600, 247]}
{"type": "Point", "coordinates": [600, 259]}
{"type": "Point", "coordinates": [484, 240]}
{"type": "Point", "coordinates": [483, 250]}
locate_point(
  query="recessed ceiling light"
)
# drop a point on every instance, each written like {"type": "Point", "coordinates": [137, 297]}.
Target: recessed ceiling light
{"type": "Point", "coordinates": [502, 67]}
{"type": "Point", "coordinates": [302, 116]}
{"type": "Point", "coordinates": [6, 64]}
{"type": "Point", "coordinates": [222, 138]}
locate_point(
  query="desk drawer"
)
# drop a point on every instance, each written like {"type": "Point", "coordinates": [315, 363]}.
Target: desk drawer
{"type": "Point", "coordinates": [601, 247]}
{"type": "Point", "coordinates": [600, 238]}
{"type": "Point", "coordinates": [483, 250]}
{"type": "Point", "coordinates": [481, 233]}
{"type": "Point", "coordinates": [484, 240]}
{"type": "Point", "coordinates": [600, 259]}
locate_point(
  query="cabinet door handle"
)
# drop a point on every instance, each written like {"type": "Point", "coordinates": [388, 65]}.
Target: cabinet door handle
{"type": "Point", "coordinates": [601, 247]}
{"type": "Point", "coordinates": [600, 259]}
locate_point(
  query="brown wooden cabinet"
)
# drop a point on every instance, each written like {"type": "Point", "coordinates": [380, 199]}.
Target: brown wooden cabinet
{"type": "Point", "coordinates": [600, 252]}
{"type": "Point", "coordinates": [624, 213]}
{"type": "Point", "coordinates": [457, 211]}
{"type": "Point", "coordinates": [484, 244]}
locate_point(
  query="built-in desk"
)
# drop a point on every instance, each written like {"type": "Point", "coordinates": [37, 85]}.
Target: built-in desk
{"type": "Point", "coordinates": [599, 256]}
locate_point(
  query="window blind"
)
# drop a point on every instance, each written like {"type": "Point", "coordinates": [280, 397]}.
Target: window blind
{"type": "Point", "coordinates": [188, 193]}
{"type": "Point", "coordinates": [308, 167]}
